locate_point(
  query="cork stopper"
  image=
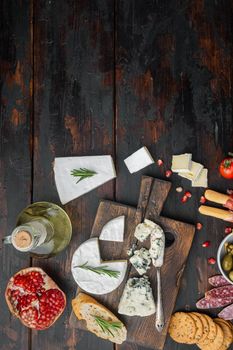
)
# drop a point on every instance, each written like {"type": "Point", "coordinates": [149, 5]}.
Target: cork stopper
{"type": "Point", "coordinates": [22, 239]}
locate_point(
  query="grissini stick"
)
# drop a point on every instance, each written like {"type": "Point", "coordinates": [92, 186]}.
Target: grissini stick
{"type": "Point", "coordinates": [216, 197]}
{"type": "Point", "coordinates": [225, 215]}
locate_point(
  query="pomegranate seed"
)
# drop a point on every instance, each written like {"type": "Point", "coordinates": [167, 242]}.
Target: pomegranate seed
{"type": "Point", "coordinates": [188, 194]}
{"type": "Point", "coordinates": [179, 189]}
{"type": "Point", "coordinates": [199, 226]}
{"type": "Point", "coordinates": [206, 244]}
{"type": "Point", "coordinates": [168, 173]}
{"type": "Point", "coordinates": [211, 261]}
{"type": "Point", "coordinates": [184, 199]}
{"type": "Point", "coordinates": [202, 199]}
{"type": "Point", "coordinates": [230, 192]}
{"type": "Point", "coordinates": [228, 230]}
{"type": "Point", "coordinates": [160, 162]}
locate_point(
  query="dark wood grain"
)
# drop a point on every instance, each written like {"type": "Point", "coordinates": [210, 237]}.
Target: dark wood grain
{"type": "Point", "coordinates": [73, 97]}
{"type": "Point", "coordinates": [15, 150]}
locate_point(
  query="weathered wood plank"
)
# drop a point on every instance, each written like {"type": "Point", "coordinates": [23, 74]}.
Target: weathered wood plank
{"type": "Point", "coordinates": [15, 162]}
{"type": "Point", "coordinates": [73, 116]}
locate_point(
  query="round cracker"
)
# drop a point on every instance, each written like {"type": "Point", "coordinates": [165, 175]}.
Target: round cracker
{"type": "Point", "coordinates": [199, 326]}
{"type": "Point", "coordinates": [205, 323]}
{"type": "Point", "coordinates": [216, 343]}
{"type": "Point", "coordinates": [212, 331]}
{"type": "Point", "coordinates": [182, 328]}
{"type": "Point", "coordinates": [227, 333]}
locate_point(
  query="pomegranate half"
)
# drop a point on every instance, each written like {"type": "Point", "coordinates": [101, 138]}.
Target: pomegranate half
{"type": "Point", "coordinates": [34, 298]}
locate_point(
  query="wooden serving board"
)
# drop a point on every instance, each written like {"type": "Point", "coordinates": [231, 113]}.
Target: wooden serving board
{"type": "Point", "coordinates": [153, 193]}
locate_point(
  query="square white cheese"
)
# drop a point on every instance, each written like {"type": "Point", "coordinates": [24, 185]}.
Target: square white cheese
{"type": "Point", "coordinates": [195, 171]}
{"type": "Point", "coordinates": [67, 186]}
{"type": "Point", "coordinates": [181, 163]}
{"type": "Point", "coordinates": [202, 179]}
{"type": "Point", "coordinates": [139, 160]}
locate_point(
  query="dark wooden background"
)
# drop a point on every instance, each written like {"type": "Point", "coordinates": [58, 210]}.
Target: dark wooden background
{"type": "Point", "coordinates": [87, 77]}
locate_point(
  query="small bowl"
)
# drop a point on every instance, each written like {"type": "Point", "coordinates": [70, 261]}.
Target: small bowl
{"type": "Point", "coordinates": [220, 254]}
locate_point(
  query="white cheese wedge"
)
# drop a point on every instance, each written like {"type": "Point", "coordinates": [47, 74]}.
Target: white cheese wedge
{"type": "Point", "coordinates": [144, 229]}
{"type": "Point", "coordinates": [138, 160]}
{"type": "Point", "coordinates": [137, 298]}
{"type": "Point", "coordinates": [202, 179]}
{"type": "Point", "coordinates": [67, 186]}
{"type": "Point", "coordinates": [181, 163]}
{"type": "Point", "coordinates": [157, 245]}
{"type": "Point", "coordinates": [113, 230]}
{"type": "Point", "coordinates": [88, 253]}
{"type": "Point", "coordinates": [195, 171]}
{"type": "Point", "coordinates": [141, 260]}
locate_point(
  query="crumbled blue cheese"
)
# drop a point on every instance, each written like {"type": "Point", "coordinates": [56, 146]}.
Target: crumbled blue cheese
{"type": "Point", "coordinates": [157, 245]}
{"type": "Point", "coordinates": [144, 229]}
{"type": "Point", "coordinates": [137, 298]}
{"type": "Point", "coordinates": [131, 250]}
{"type": "Point", "coordinates": [141, 260]}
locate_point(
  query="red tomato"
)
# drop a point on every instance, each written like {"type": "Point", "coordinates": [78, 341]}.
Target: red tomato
{"type": "Point", "coordinates": [226, 168]}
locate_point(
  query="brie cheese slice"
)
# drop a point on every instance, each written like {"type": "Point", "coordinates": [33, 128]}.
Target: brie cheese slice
{"type": "Point", "coordinates": [195, 171]}
{"type": "Point", "coordinates": [67, 186]}
{"type": "Point", "coordinates": [157, 246]}
{"type": "Point", "coordinates": [88, 254]}
{"type": "Point", "coordinates": [139, 160]}
{"type": "Point", "coordinates": [137, 298]}
{"type": "Point", "coordinates": [202, 179]}
{"type": "Point", "coordinates": [113, 230]}
{"type": "Point", "coordinates": [181, 163]}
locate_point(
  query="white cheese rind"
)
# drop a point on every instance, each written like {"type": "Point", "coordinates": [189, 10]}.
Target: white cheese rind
{"type": "Point", "coordinates": [137, 298]}
{"type": "Point", "coordinates": [113, 230]}
{"type": "Point", "coordinates": [67, 186]}
{"type": "Point", "coordinates": [181, 163]}
{"type": "Point", "coordinates": [157, 246]}
{"type": "Point", "coordinates": [88, 252]}
{"type": "Point", "coordinates": [195, 171]}
{"type": "Point", "coordinates": [138, 160]}
{"type": "Point", "coordinates": [141, 260]}
{"type": "Point", "coordinates": [202, 180]}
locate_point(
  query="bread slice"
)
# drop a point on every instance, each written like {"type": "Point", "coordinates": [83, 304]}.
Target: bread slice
{"type": "Point", "coordinates": [87, 308]}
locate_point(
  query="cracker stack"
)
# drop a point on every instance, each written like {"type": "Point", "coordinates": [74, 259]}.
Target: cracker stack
{"type": "Point", "coordinates": [200, 329]}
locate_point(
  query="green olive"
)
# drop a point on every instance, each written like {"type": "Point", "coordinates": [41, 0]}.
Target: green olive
{"type": "Point", "coordinates": [231, 275]}
{"type": "Point", "coordinates": [227, 262]}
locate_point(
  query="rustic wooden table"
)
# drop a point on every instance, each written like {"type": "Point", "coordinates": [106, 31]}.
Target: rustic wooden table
{"type": "Point", "coordinates": [87, 77]}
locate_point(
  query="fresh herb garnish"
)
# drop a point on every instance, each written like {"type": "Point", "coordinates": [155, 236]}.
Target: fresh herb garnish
{"type": "Point", "coordinates": [107, 326]}
{"type": "Point", "coordinates": [82, 173]}
{"type": "Point", "coordinates": [100, 270]}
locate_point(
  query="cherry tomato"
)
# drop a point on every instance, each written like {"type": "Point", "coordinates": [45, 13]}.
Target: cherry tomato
{"type": "Point", "coordinates": [226, 168]}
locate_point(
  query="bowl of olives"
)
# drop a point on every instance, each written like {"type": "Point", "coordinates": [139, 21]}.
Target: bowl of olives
{"type": "Point", "coordinates": [225, 258]}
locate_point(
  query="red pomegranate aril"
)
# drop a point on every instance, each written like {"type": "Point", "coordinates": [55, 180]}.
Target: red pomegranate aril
{"type": "Point", "coordinates": [211, 261]}
{"type": "Point", "coordinates": [168, 173]}
{"type": "Point", "coordinates": [199, 226]}
{"type": "Point", "coordinates": [206, 244]}
{"type": "Point", "coordinates": [184, 199]}
{"type": "Point", "coordinates": [188, 194]}
{"type": "Point", "coordinates": [228, 230]}
{"type": "Point", "coordinates": [160, 162]}
{"type": "Point", "coordinates": [202, 199]}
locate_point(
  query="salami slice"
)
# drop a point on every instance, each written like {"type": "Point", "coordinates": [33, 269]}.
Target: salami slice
{"type": "Point", "coordinates": [213, 303]}
{"type": "Point", "coordinates": [218, 281]}
{"type": "Point", "coordinates": [220, 292]}
{"type": "Point", "coordinates": [227, 313]}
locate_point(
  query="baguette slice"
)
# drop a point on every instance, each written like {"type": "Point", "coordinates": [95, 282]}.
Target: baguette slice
{"type": "Point", "coordinates": [85, 308]}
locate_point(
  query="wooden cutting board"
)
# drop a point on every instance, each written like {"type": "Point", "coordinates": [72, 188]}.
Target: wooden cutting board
{"type": "Point", "coordinates": [153, 193]}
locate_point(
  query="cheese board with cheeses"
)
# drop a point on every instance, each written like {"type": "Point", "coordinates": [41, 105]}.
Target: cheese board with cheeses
{"type": "Point", "coordinates": [133, 299]}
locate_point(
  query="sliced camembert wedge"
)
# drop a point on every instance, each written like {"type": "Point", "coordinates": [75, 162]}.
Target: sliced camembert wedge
{"type": "Point", "coordinates": [137, 298]}
{"type": "Point", "coordinates": [157, 244]}
{"type": "Point", "coordinates": [138, 160]}
{"type": "Point", "coordinates": [141, 260]}
{"type": "Point", "coordinates": [113, 230]}
{"type": "Point", "coordinates": [94, 275]}
{"type": "Point", "coordinates": [181, 163]}
{"type": "Point", "coordinates": [144, 229]}
{"type": "Point", "coordinates": [202, 179]}
{"type": "Point", "coordinates": [195, 171]}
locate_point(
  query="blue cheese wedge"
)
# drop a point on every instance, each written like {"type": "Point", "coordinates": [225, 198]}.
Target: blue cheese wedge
{"type": "Point", "coordinates": [202, 179]}
{"type": "Point", "coordinates": [141, 260]}
{"type": "Point", "coordinates": [137, 298]}
{"type": "Point", "coordinates": [144, 229]}
{"type": "Point", "coordinates": [138, 160]}
{"type": "Point", "coordinates": [67, 186]}
{"type": "Point", "coordinates": [113, 230]}
{"type": "Point", "coordinates": [88, 254]}
{"type": "Point", "coordinates": [194, 173]}
{"type": "Point", "coordinates": [181, 163]}
{"type": "Point", "coordinates": [157, 245]}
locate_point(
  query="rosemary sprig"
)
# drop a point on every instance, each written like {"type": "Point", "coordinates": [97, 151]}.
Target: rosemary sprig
{"type": "Point", "coordinates": [107, 326]}
{"type": "Point", "coordinates": [82, 173]}
{"type": "Point", "coordinates": [100, 270]}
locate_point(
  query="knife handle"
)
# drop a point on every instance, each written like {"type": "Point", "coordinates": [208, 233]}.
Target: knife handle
{"type": "Point", "coordinates": [159, 322]}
